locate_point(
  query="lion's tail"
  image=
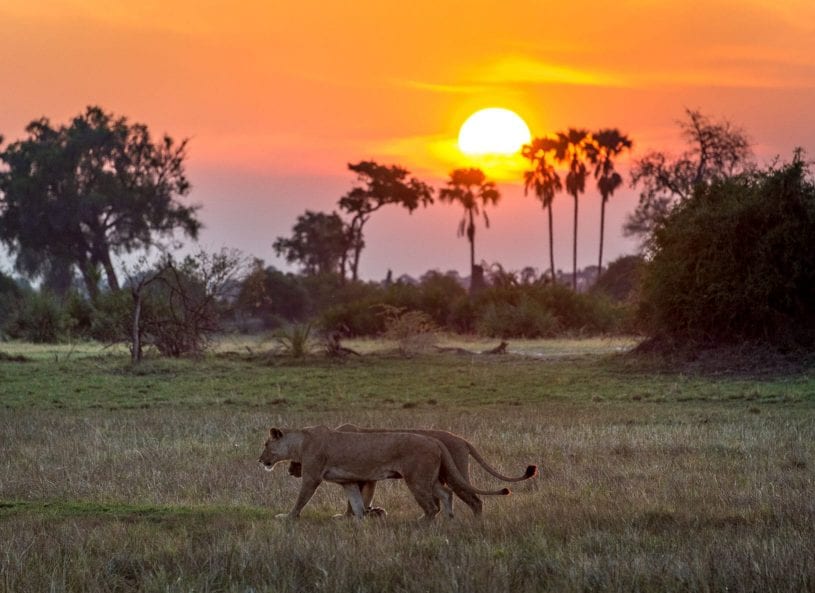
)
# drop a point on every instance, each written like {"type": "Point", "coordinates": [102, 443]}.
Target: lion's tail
{"type": "Point", "coordinates": [459, 481]}
{"type": "Point", "coordinates": [531, 470]}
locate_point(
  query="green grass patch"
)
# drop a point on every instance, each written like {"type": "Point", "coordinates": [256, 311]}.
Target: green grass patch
{"type": "Point", "coordinates": [60, 509]}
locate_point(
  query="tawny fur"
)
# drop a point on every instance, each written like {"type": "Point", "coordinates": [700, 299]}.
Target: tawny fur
{"type": "Point", "coordinates": [351, 458]}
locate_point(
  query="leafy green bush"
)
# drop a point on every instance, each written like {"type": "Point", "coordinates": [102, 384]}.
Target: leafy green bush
{"type": "Point", "coordinates": [528, 319]}
{"type": "Point", "coordinates": [273, 297]}
{"type": "Point", "coordinates": [621, 281]}
{"type": "Point", "coordinates": [10, 296]}
{"type": "Point", "coordinates": [736, 262]}
{"type": "Point", "coordinates": [39, 317]}
{"type": "Point", "coordinates": [112, 319]}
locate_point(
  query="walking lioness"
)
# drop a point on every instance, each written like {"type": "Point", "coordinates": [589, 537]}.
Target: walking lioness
{"type": "Point", "coordinates": [460, 450]}
{"type": "Point", "coordinates": [349, 458]}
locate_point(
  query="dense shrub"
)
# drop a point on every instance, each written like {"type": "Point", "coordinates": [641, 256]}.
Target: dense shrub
{"type": "Point", "coordinates": [273, 297]}
{"type": "Point", "coordinates": [39, 317]}
{"type": "Point", "coordinates": [10, 295]}
{"type": "Point", "coordinates": [112, 317]}
{"type": "Point", "coordinates": [506, 310]}
{"type": "Point", "coordinates": [352, 308]}
{"type": "Point", "coordinates": [621, 280]}
{"type": "Point", "coordinates": [736, 262]}
{"type": "Point", "coordinates": [529, 318]}
{"type": "Point", "coordinates": [545, 309]}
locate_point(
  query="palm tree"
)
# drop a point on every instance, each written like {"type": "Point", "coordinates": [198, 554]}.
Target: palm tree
{"type": "Point", "coordinates": [544, 181]}
{"type": "Point", "coordinates": [571, 149]}
{"type": "Point", "coordinates": [607, 145]}
{"type": "Point", "coordinates": [469, 187]}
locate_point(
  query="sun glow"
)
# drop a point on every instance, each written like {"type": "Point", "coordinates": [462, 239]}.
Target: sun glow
{"type": "Point", "coordinates": [493, 131]}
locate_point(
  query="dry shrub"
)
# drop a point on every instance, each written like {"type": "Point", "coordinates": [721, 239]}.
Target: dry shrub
{"type": "Point", "coordinates": [413, 331]}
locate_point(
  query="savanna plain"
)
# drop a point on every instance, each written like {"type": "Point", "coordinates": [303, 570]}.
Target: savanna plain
{"type": "Point", "coordinates": [653, 477]}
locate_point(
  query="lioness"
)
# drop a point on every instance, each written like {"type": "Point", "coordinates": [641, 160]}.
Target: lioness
{"type": "Point", "coordinates": [348, 458]}
{"type": "Point", "coordinates": [460, 450]}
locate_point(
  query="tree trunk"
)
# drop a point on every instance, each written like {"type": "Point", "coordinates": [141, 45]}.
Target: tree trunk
{"type": "Point", "coordinates": [355, 266]}
{"type": "Point", "coordinates": [602, 231]}
{"type": "Point", "coordinates": [89, 278]}
{"type": "Point", "coordinates": [135, 347]}
{"type": "Point", "coordinates": [343, 261]}
{"type": "Point", "coordinates": [551, 245]}
{"type": "Point", "coordinates": [357, 238]}
{"type": "Point", "coordinates": [110, 272]}
{"type": "Point", "coordinates": [471, 237]}
{"type": "Point", "coordinates": [574, 248]}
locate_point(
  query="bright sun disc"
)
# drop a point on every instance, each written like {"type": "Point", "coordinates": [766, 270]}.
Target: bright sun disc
{"type": "Point", "coordinates": [493, 131]}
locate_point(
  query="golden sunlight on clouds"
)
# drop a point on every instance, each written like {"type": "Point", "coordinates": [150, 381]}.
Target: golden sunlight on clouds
{"type": "Point", "coordinates": [525, 69]}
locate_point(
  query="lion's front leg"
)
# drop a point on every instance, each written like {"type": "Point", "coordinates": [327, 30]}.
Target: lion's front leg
{"type": "Point", "coordinates": [307, 489]}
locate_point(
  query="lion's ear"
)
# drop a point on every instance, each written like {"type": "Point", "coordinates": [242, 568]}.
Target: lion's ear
{"type": "Point", "coordinates": [275, 433]}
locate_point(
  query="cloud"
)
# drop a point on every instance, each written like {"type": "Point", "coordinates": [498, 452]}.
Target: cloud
{"type": "Point", "coordinates": [515, 70]}
{"type": "Point", "coordinates": [524, 69]}
{"type": "Point", "coordinates": [463, 89]}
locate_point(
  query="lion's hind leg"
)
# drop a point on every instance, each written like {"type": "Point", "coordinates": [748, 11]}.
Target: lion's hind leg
{"type": "Point", "coordinates": [424, 495]}
{"type": "Point", "coordinates": [445, 495]}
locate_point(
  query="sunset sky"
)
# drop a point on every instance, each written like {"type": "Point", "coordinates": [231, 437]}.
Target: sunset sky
{"type": "Point", "coordinates": [277, 97]}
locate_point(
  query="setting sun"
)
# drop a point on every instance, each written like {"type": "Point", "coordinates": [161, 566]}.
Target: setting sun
{"type": "Point", "coordinates": [493, 131]}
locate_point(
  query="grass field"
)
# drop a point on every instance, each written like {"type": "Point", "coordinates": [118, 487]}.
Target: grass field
{"type": "Point", "coordinates": [114, 478]}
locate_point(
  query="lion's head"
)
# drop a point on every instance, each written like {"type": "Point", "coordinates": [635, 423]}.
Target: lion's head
{"type": "Point", "coordinates": [275, 450]}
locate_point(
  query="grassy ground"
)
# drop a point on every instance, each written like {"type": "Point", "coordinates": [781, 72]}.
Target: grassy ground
{"type": "Point", "coordinates": [121, 479]}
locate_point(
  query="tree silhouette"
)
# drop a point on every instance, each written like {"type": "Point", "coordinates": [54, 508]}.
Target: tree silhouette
{"type": "Point", "coordinates": [380, 185]}
{"type": "Point", "coordinates": [571, 149]}
{"type": "Point", "coordinates": [470, 188]}
{"type": "Point", "coordinates": [83, 191]}
{"type": "Point", "coordinates": [606, 146]}
{"type": "Point", "coordinates": [716, 151]}
{"type": "Point", "coordinates": [544, 180]}
{"type": "Point", "coordinates": [320, 242]}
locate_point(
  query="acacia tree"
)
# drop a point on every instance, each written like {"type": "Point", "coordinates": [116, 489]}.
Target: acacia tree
{"type": "Point", "coordinates": [716, 150]}
{"type": "Point", "coordinates": [606, 145]}
{"type": "Point", "coordinates": [571, 149]}
{"type": "Point", "coordinates": [470, 188]}
{"type": "Point", "coordinates": [544, 180]}
{"type": "Point", "coordinates": [320, 243]}
{"type": "Point", "coordinates": [379, 185]}
{"type": "Point", "coordinates": [90, 189]}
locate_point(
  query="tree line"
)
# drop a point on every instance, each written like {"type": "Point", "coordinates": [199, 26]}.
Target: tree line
{"type": "Point", "coordinates": [74, 196]}
{"type": "Point", "coordinates": [323, 242]}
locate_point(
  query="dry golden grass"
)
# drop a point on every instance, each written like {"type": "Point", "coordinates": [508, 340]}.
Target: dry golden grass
{"type": "Point", "coordinates": [633, 495]}
{"type": "Point", "coordinates": [115, 478]}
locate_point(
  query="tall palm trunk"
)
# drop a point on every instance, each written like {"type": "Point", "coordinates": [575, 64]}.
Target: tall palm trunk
{"type": "Point", "coordinates": [551, 244]}
{"type": "Point", "coordinates": [471, 237]}
{"type": "Point", "coordinates": [602, 232]}
{"type": "Point", "coordinates": [574, 248]}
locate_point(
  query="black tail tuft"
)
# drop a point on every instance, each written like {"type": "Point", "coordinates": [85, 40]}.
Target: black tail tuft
{"type": "Point", "coordinates": [532, 470]}
{"type": "Point", "coordinates": [506, 492]}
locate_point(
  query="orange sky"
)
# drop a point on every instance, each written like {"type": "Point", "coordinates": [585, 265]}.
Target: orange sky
{"type": "Point", "coordinates": [278, 96]}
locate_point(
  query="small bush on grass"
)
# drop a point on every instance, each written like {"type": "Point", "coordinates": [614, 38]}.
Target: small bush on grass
{"type": "Point", "coordinates": [295, 340]}
{"type": "Point", "coordinates": [413, 331]}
